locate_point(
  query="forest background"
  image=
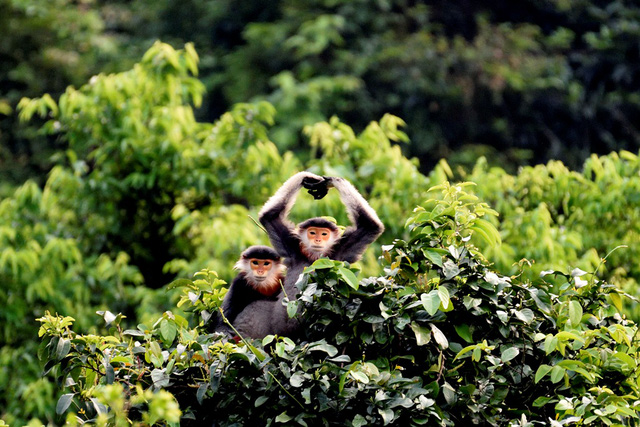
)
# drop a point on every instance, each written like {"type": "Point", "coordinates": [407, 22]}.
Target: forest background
{"type": "Point", "coordinates": [150, 168]}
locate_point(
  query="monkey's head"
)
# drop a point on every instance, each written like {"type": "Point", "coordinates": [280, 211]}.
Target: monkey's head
{"type": "Point", "coordinates": [317, 237]}
{"type": "Point", "coordinates": [262, 268]}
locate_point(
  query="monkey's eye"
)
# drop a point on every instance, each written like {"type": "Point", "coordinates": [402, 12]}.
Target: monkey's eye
{"type": "Point", "coordinates": [313, 233]}
{"type": "Point", "coordinates": [254, 262]}
{"type": "Point", "coordinates": [267, 263]}
{"type": "Point", "coordinates": [324, 233]}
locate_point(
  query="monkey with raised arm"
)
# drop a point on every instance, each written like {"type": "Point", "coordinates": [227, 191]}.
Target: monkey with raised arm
{"type": "Point", "coordinates": [260, 278]}
{"type": "Point", "coordinates": [310, 240]}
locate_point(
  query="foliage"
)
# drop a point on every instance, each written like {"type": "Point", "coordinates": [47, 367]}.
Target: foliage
{"type": "Point", "coordinates": [519, 82]}
{"type": "Point", "coordinates": [560, 218]}
{"type": "Point", "coordinates": [439, 339]}
{"type": "Point", "coordinates": [42, 266]}
{"type": "Point", "coordinates": [144, 191]}
{"type": "Point", "coordinates": [45, 47]}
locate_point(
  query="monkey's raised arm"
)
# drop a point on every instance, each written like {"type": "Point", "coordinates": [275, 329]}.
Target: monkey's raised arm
{"type": "Point", "coordinates": [366, 227]}
{"type": "Point", "coordinates": [274, 213]}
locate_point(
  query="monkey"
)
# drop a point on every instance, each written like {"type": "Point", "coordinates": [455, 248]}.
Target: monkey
{"type": "Point", "coordinates": [260, 278]}
{"type": "Point", "coordinates": [309, 241]}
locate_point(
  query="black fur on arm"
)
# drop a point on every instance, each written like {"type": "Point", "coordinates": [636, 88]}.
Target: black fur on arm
{"type": "Point", "coordinates": [274, 213]}
{"type": "Point", "coordinates": [366, 227]}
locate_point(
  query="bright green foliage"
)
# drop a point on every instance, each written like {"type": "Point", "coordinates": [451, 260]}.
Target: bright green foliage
{"type": "Point", "coordinates": [145, 191]}
{"type": "Point", "coordinates": [439, 339]}
{"type": "Point", "coordinates": [560, 219]}
{"type": "Point", "coordinates": [42, 266]}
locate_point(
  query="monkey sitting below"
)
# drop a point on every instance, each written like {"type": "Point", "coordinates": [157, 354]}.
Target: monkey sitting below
{"type": "Point", "coordinates": [260, 278]}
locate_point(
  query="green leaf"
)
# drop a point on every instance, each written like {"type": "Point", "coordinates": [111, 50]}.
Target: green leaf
{"type": "Point", "coordinates": [360, 376]}
{"type": "Point", "coordinates": [625, 358]}
{"type": "Point", "coordinates": [557, 372]}
{"type": "Point", "coordinates": [110, 374]}
{"type": "Point", "coordinates": [449, 393]}
{"type": "Point", "coordinates": [64, 402]}
{"type": "Point", "coordinates": [464, 332]}
{"type": "Point", "coordinates": [541, 372]}
{"type": "Point", "coordinates": [616, 300]}
{"type": "Point", "coordinates": [296, 380]}
{"type": "Point", "coordinates": [168, 330]}
{"type": "Point", "coordinates": [443, 294]}
{"type": "Point", "coordinates": [160, 378]}
{"type": "Point", "coordinates": [359, 421]}
{"type": "Point", "coordinates": [179, 283]}
{"type": "Point", "coordinates": [292, 308]}
{"type": "Point", "coordinates": [550, 343]}
{"type": "Point", "coordinates": [431, 302]}
{"type": "Point", "coordinates": [543, 400]}
{"type": "Point", "coordinates": [509, 354]}
{"type": "Point", "coordinates": [526, 315]}
{"type": "Point", "coordinates": [283, 418]}
{"type": "Point", "coordinates": [387, 415]}
{"type": "Point", "coordinates": [260, 401]}
{"type": "Point", "coordinates": [202, 390]}
{"type": "Point", "coordinates": [433, 256]}
{"type": "Point", "coordinates": [451, 269]}
{"type": "Point", "coordinates": [440, 338]}
{"type": "Point", "coordinates": [348, 277]}
{"type": "Point", "coordinates": [488, 231]}
{"type": "Point", "coordinates": [323, 263]}
{"type": "Point", "coordinates": [62, 349]}
{"type": "Point", "coordinates": [575, 313]}
{"type": "Point", "coordinates": [323, 346]}
{"type": "Point", "coordinates": [423, 335]}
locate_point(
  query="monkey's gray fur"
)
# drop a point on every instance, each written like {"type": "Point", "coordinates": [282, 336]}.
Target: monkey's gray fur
{"type": "Point", "coordinates": [261, 318]}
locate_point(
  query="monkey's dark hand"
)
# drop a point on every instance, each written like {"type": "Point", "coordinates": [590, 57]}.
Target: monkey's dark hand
{"type": "Point", "coordinates": [316, 187]}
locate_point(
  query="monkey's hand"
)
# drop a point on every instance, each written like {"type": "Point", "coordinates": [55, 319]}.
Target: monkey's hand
{"type": "Point", "coordinates": [317, 187]}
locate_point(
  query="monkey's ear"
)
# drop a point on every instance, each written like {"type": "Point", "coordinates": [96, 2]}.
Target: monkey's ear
{"type": "Point", "coordinates": [317, 188]}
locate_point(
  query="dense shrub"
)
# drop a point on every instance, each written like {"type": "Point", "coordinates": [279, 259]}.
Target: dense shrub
{"type": "Point", "coordinates": [439, 339]}
{"type": "Point", "coordinates": [560, 218]}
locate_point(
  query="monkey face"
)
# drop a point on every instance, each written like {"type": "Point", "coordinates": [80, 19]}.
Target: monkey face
{"type": "Point", "coordinates": [318, 238]}
{"type": "Point", "coordinates": [260, 268]}
{"type": "Point", "coordinates": [317, 242]}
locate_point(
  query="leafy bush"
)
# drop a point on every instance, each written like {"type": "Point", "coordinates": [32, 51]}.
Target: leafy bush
{"type": "Point", "coordinates": [439, 339]}
{"type": "Point", "coordinates": [560, 218]}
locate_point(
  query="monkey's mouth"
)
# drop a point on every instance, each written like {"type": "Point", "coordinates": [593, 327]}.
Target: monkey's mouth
{"type": "Point", "coordinates": [260, 278]}
{"type": "Point", "coordinates": [317, 247]}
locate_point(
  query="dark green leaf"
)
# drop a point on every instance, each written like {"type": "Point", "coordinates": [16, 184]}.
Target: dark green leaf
{"type": "Point", "coordinates": [64, 402]}
{"type": "Point", "coordinates": [433, 256]}
{"type": "Point", "coordinates": [509, 353]}
{"type": "Point", "coordinates": [202, 391]}
{"type": "Point", "coordinates": [349, 277]}
{"type": "Point", "coordinates": [179, 283]}
{"type": "Point", "coordinates": [464, 332]}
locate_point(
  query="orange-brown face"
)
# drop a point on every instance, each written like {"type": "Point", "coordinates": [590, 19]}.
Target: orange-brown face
{"type": "Point", "coordinates": [260, 268]}
{"type": "Point", "coordinates": [318, 237]}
